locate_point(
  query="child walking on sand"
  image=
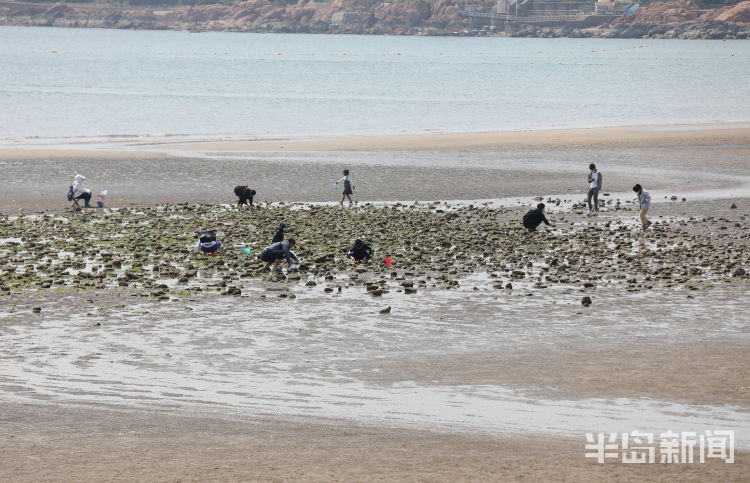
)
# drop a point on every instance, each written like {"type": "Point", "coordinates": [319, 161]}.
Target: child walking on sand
{"type": "Point", "coordinates": [348, 188]}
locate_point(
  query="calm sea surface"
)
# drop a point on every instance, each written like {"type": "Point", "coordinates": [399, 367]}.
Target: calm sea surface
{"type": "Point", "coordinates": [77, 84]}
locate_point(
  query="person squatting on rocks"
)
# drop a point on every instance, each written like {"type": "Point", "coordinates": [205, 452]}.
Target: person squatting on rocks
{"type": "Point", "coordinates": [534, 217]}
{"type": "Point", "coordinates": [595, 185]}
{"type": "Point", "coordinates": [644, 203]}
{"type": "Point", "coordinates": [359, 251]}
{"type": "Point", "coordinates": [348, 188]}
{"type": "Point", "coordinates": [81, 191]}
{"type": "Point", "coordinates": [207, 243]}
{"type": "Point", "coordinates": [245, 196]}
{"type": "Point", "coordinates": [278, 251]}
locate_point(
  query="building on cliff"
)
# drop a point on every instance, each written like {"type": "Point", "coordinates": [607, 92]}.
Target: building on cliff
{"type": "Point", "coordinates": [551, 12]}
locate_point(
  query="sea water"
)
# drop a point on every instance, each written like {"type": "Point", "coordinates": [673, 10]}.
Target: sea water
{"type": "Point", "coordinates": [77, 85]}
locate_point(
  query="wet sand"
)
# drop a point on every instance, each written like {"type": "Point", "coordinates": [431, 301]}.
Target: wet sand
{"type": "Point", "coordinates": [436, 167]}
{"type": "Point", "coordinates": [81, 444]}
{"type": "Point", "coordinates": [164, 383]}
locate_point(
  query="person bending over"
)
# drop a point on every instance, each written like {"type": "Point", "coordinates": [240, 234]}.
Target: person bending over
{"type": "Point", "coordinates": [274, 253]}
{"type": "Point", "coordinates": [535, 217]}
{"type": "Point", "coordinates": [245, 195]}
{"type": "Point", "coordinates": [644, 203]}
{"type": "Point", "coordinates": [207, 243]}
{"type": "Point", "coordinates": [359, 251]}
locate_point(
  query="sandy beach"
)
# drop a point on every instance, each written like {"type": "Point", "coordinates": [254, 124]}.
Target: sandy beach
{"type": "Point", "coordinates": [683, 159]}
{"type": "Point", "coordinates": [128, 356]}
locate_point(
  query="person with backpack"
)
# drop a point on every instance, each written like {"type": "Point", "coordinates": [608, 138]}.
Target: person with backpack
{"type": "Point", "coordinates": [79, 192]}
{"type": "Point", "coordinates": [348, 188]}
{"type": "Point", "coordinates": [245, 195]}
{"type": "Point", "coordinates": [595, 185]}
{"type": "Point", "coordinates": [644, 203]}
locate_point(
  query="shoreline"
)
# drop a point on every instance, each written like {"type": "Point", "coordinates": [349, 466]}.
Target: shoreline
{"type": "Point", "coordinates": [666, 135]}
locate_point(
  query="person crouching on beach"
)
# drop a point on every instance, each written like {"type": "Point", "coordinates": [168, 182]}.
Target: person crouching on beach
{"type": "Point", "coordinates": [535, 217]}
{"type": "Point", "coordinates": [348, 188]}
{"type": "Point", "coordinates": [359, 252]}
{"type": "Point", "coordinates": [644, 203]}
{"type": "Point", "coordinates": [208, 244]}
{"type": "Point", "coordinates": [278, 251]}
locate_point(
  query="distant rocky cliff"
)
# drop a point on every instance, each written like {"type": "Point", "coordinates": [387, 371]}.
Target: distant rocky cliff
{"type": "Point", "coordinates": [680, 19]}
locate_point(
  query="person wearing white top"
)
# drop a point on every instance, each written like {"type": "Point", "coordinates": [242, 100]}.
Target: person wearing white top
{"type": "Point", "coordinates": [348, 188]}
{"type": "Point", "coordinates": [644, 203]}
{"type": "Point", "coordinates": [594, 186]}
{"type": "Point", "coordinates": [80, 191]}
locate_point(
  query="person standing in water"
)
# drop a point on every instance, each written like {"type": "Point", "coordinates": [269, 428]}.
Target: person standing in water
{"type": "Point", "coordinates": [595, 184]}
{"type": "Point", "coordinates": [644, 203]}
{"type": "Point", "coordinates": [348, 188]}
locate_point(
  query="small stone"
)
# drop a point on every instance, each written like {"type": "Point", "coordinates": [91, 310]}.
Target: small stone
{"type": "Point", "coordinates": [410, 291]}
{"type": "Point", "coordinates": [586, 301]}
{"type": "Point", "coordinates": [739, 272]}
{"type": "Point", "coordinates": [36, 310]}
{"type": "Point", "coordinates": [386, 310]}
{"type": "Point", "coordinates": [508, 286]}
{"type": "Point", "coordinates": [734, 207]}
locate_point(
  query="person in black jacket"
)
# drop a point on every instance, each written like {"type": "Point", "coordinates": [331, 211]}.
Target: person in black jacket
{"type": "Point", "coordinates": [534, 218]}
{"type": "Point", "coordinates": [245, 195]}
{"type": "Point", "coordinates": [279, 236]}
{"type": "Point", "coordinates": [276, 252]}
{"type": "Point", "coordinates": [359, 251]}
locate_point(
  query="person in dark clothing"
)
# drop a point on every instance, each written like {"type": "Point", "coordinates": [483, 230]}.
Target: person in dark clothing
{"type": "Point", "coordinates": [359, 251]}
{"type": "Point", "coordinates": [276, 252]}
{"type": "Point", "coordinates": [534, 218]}
{"type": "Point", "coordinates": [245, 195]}
{"type": "Point", "coordinates": [279, 236]}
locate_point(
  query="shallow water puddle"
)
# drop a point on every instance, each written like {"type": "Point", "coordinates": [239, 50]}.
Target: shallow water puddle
{"type": "Point", "coordinates": [321, 355]}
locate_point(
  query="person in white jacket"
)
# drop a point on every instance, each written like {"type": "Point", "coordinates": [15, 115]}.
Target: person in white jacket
{"type": "Point", "coordinates": [644, 203]}
{"type": "Point", "coordinates": [80, 192]}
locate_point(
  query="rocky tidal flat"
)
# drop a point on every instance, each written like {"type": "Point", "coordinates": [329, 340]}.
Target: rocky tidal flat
{"type": "Point", "coordinates": [152, 250]}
